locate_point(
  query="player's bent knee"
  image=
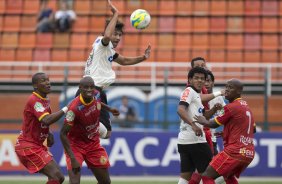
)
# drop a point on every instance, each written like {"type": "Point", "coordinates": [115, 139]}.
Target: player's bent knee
{"type": "Point", "coordinates": [59, 177]}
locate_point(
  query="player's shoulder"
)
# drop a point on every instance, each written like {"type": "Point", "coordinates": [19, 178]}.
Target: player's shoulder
{"type": "Point", "coordinates": [98, 41]}
{"type": "Point", "coordinates": [74, 103]}
{"type": "Point", "coordinates": [33, 99]}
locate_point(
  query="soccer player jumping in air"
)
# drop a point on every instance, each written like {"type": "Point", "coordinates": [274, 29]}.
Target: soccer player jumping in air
{"type": "Point", "coordinates": [99, 63]}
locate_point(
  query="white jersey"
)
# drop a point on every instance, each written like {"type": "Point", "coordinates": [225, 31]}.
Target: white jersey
{"type": "Point", "coordinates": [212, 102]}
{"type": "Point", "coordinates": [99, 63]}
{"type": "Point", "coordinates": [186, 134]}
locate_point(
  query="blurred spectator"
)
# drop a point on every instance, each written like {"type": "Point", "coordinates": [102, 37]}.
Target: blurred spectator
{"type": "Point", "coordinates": [127, 113]}
{"type": "Point", "coordinates": [64, 17]}
{"type": "Point", "coordinates": [45, 19]}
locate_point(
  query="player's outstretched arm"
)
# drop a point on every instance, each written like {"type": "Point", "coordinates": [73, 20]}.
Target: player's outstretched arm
{"type": "Point", "coordinates": [114, 111]}
{"type": "Point", "coordinates": [122, 60]}
{"type": "Point", "coordinates": [209, 113]}
{"type": "Point", "coordinates": [52, 118]}
{"type": "Point", "coordinates": [182, 113]}
{"type": "Point", "coordinates": [111, 26]}
{"type": "Point", "coordinates": [207, 123]}
{"type": "Point", "coordinates": [208, 97]}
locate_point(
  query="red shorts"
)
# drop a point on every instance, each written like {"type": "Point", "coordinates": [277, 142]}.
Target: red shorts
{"type": "Point", "coordinates": [227, 166]}
{"type": "Point", "coordinates": [35, 158]}
{"type": "Point", "coordinates": [94, 157]}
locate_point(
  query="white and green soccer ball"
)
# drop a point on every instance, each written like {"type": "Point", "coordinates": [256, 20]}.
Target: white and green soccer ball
{"type": "Point", "coordinates": [140, 19]}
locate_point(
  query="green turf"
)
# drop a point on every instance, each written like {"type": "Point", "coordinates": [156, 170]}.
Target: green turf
{"type": "Point", "coordinates": [126, 182]}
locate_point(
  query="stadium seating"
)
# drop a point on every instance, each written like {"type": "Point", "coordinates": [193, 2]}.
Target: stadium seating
{"type": "Point", "coordinates": [206, 25]}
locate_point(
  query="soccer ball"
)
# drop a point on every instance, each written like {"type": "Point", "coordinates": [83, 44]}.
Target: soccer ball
{"type": "Point", "coordinates": [140, 19]}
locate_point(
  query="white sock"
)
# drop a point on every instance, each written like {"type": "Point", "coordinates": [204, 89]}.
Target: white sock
{"type": "Point", "coordinates": [102, 131]}
{"type": "Point", "coordinates": [182, 181]}
{"type": "Point", "coordinates": [219, 180]}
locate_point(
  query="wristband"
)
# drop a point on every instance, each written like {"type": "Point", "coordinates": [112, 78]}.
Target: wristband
{"type": "Point", "coordinates": [217, 93]}
{"type": "Point", "coordinates": [65, 109]}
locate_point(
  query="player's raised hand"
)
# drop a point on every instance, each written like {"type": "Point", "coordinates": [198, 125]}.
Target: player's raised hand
{"type": "Point", "coordinates": [113, 8]}
{"type": "Point", "coordinates": [115, 111]}
{"type": "Point", "coordinates": [222, 92]}
{"type": "Point", "coordinates": [147, 52]}
{"type": "Point", "coordinates": [217, 106]}
{"type": "Point", "coordinates": [197, 130]}
{"type": "Point", "coordinates": [201, 120]}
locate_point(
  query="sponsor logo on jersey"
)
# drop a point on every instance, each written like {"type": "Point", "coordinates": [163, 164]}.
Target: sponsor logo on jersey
{"type": "Point", "coordinates": [201, 110]}
{"type": "Point", "coordinates": [185, 94]}
{"type": "Point", "coordinates": [247, 153]}
{"type": "Point", "coordinates": [38, 107]}
{"type": "Point", "coordinates": [80, 107]}
{"type": "Point", "coordinates": [99, 106]}
{"type": "Point", "coordinates": [110, 58]}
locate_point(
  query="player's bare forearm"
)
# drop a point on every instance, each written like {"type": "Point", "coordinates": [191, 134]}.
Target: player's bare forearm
{"type": "Point", "coordinates": [52, 118]}
{"type": "Point", "coordinates": [114, 111]}
{"type": "Point", "coordinates": [63, 136]}
{"type": "Point", "coordinates": [181, 111]}
{"type": "Point", "coordinates": [209, 113]}
{"type": "Point", "coordinates": [206, 97]}
{"type": "Point", "coordinates": [112, 24]}
{"type": "Point", "coordinates": [122, 60]}
{"type": "Point", "coordinates": [206, 123]}
{"type": "Point", "coordinates": [129, 60]}
{"type": "Point", "coordinates": [105, 106]}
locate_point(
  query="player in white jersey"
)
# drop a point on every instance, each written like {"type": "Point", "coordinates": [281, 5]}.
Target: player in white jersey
{"type": "Point", "coordinates": [209, 84]}
{"type": "Point", "coordinates": [99, 63]}
{"type": "Point", "coordinates": [195, 153]}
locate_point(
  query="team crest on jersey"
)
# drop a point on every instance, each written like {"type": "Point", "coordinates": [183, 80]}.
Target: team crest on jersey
{"type": "Point", "coordinates": [99, 106]}
{"type": "Point", "coordinates": [38, 107]}
{"type": "Point", "coordinates": [103, 160]}
{"type": "Point", "coordinates": [70, 116]}
{"type": "Point", "coordinates": [221, 112]}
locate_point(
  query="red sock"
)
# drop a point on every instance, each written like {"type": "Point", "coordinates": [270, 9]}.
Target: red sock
{"type": "Point", "coordinates": [195, 178]}
{"type": "Point", "coordinates": [207, 180]}
{"type": "Point", "coordinates": [231, 180]}
{"type": "Point", "coordinates": [53, 182]}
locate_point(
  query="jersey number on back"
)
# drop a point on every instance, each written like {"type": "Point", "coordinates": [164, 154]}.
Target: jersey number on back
{"type": "Point", "coordinates": [250, 120]}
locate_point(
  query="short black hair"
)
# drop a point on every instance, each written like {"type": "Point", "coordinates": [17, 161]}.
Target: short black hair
{"type": "Point", "coordinates": [196, 59]}
{"type": "Point", "coordinates": [197, 70]}
{"type": "Point", "coordinates": [34, 78]}
{"type": "Point", "coordinates": [119, 25]}
{"type": "Point", "coordinates": [209, 73]}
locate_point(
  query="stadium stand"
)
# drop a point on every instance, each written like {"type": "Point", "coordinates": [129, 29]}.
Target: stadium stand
{"type": "Point", "coordinates": [222, 31]}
